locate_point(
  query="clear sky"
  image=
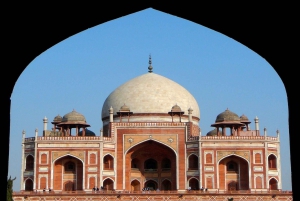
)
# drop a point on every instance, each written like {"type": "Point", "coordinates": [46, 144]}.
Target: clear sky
{"type": "Point", "coordinates": [81, 71]}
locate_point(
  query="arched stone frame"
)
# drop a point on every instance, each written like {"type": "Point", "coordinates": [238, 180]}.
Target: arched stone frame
{"type": "Point", "coordinates": [272, 179]}
{"type": "Point", "coordinates": [43, 176]}
{"type": "Point", "coordinates": [188, 182]}
{"type": "Point", "coordinates": [165, 179]}
{"type": "Point", "coordinates": [135, 179]}
{"type": "Point", "coordinates": [88, 180]}
{"type": "Point", "coordinates": [176, 155]}
{"type": "Point", "coordinates": [212, 157]}
{"type": "Point", "coordinates": [269, 58]}
{"type": "Point", "coordinates": [213, 180]}
{"type": "Point", "coordinates": [83, 169]}
{"type": "Point", "coordinates": [96, 157]}
{"type": "Point", "coordinates": [188, 161]}
{"type": "Point", "coordinates": [114, 183]}
{"type": "Point", "coordinates": [249, 169]}
{"type": "Point", "coordinates": [31, 179]}
{"type": "Point", "coordinates": [276, 158]}
{"type": "Point", "coordinates": [47, 157]}
{"type": "Point", "coordinates": [254, 156]}
{"type": "Point", "coordinates": [114, 162]}
{"type": "Point", "coordinates": [262, 181]}
{"type": "Point", "coordinates": [25, 165]}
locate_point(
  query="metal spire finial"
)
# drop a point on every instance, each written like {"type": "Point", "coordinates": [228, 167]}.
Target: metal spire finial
{"type": "Point", "coordinates": [150, 65]}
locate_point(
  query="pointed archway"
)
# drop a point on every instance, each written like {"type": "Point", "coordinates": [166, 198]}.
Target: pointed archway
{"type": "Point", "coordinates": [151, 185]}
{"type": "Point", "coordinates": [108, 184]}
{"type": "Point", "coordinates": [135, 185]}
{"type": "Point", "coordinates": [68, 174]}
{"type": "Point", "coordinates": [233, 173]}
{"type": "Point", "coordinates": [151, 161]}
{"type": "Point", "coordinates": [194, 184]}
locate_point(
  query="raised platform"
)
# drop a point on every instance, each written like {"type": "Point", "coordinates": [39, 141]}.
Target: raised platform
{"type": "Point", "coordinates": [153, 195]}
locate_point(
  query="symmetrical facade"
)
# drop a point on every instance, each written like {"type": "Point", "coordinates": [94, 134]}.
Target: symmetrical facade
{"type": "Point", "coordinates": [151, 138]}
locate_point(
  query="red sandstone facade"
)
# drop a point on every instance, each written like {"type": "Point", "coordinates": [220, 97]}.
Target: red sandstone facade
{"type": "Point", "coordinates": [165, 156]}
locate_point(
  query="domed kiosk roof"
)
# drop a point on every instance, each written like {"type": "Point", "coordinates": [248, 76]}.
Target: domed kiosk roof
{"type": "Point", "coordinates": [74, 117]}
{"type": "Point", "coordinates": [227, 115]}
{"type": "Point", "coordinates": [150, 93]}
{"type": "Point", "coordinates": [212, 132]}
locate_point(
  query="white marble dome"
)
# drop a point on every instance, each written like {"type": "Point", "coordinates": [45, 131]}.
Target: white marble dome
{"type": "Point", "coordinates": [150, 93]}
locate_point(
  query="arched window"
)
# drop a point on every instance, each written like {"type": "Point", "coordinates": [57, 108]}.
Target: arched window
{"type": "Point", "coordinates": [166, 164]}
{"type": "Point", "coordinates": [152, 185]}
{"type": "Point", "coordinates": [232, 166]}
{"type": "Point", "coordinates": [193, 162]}
{"type": "Point", "coordinates": [194, 184]}
{"type": "Point", "coordinates": [135, 163]}
{"type": "Point", "coordinates": [273, 184]}
{"type": "Point", "coordinates": [28, 185]}
{"type": "Point", "coordinates": [150, 164]}
{"type": "Point", "coordinates": [108, 161]}
{"type": "Point", "coordinates": [108, 184]}
{"type": "Point", "coordinates": [69, 167]}
{"type": "Point", "coordinates": [272, 162]}
{"type": "Point", "coordinates": [29, 163]}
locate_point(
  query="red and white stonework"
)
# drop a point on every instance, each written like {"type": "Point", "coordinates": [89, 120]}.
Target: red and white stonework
{"type": "Point", "coordinates": [151, 139]}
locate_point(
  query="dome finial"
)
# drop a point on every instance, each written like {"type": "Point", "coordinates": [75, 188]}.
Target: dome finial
{"type": "Point", "coordinates": [150, 65]}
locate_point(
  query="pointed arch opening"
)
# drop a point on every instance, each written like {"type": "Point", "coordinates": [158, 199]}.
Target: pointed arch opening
{"type": "Point", "coordinates": [68, 174]}
{"type": "Point", "coordinates": [194, 184]}
{"type": "Point", "coordinates": [193, 162]}
{"type": "Point", "coordinates": [29, 163]}
{"type": "Point", "coordinates": [272, 162]}
{"type": "Point", "coordinates": [233, 173]}
{"type": "Point", "coordinates": [273, 184]}
{"type": "Point", "coordinates": [108, 184]}
{"type": "Point", "coordinates": [135, 185]}
{"type": "Point", "coordinates": [151, 185]}
{"type": "Point", "coordinates": [28, 185]}
{"type": "Point", "coordinates": [166, 185]}
{"type": "Point", "coordinates": [108, 162]}
{"type": "Point", "coordinates": [151, 160]}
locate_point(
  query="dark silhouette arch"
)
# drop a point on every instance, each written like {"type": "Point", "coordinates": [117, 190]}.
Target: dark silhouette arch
{"type": "Point", "coordinates": [262, 24]}
{"type": "Point", "coordinates": [28, 185]}
{"type": "Point", "coordinates": [193, 162]}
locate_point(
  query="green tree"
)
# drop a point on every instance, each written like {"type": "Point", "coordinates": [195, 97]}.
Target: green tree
{"type": "Point", "coordinates": [10, 189]}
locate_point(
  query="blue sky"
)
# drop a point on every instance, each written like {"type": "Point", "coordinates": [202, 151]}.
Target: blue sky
{"type": "Point", "coordinates": [81, 71]}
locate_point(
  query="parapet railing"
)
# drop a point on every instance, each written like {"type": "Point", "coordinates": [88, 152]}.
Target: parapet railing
{"type": "Point", "coordinates": [77, 138]}
{"type": "Point", "coordinates": [203, 138]}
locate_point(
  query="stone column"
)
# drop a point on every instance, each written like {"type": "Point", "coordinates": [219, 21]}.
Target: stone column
{"type": "Point", "coordinates": [22, 165]}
